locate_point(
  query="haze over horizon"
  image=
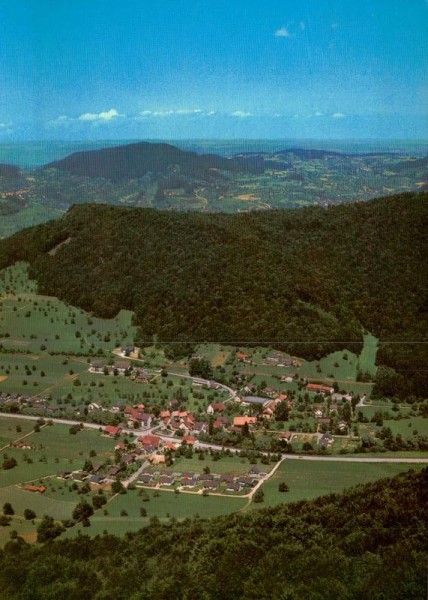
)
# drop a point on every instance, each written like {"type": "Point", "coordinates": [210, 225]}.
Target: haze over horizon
{"type": "Point", "coordinates": [191, 69]}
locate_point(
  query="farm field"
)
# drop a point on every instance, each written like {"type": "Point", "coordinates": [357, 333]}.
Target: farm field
{"type": "Point", "coordinates": [307, 480]}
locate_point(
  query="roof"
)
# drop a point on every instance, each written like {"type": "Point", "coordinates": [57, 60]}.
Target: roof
{"type": "Point", "coordinates": [240, 421]}
{"type": "Point", "coordinates": [150, 440]}
{"type": "Point", "coordinates": [218, 406]}
{"type": "Point", "coordinates": [315, 387]}
{"type": "Point", "coordinates": [189, 440]}
{"type": "Point", "coordinates": [112, 429]}
{"type": "Point", "coordinates": [35, 488]}
{"type": "Point", "coordinates": [255, 399]}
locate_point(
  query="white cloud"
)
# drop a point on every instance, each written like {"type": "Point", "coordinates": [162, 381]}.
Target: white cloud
{"type": "Point", "coordinates": [189, 111]}
{"type": "Point", "coordinates": [5, 125]}
{"type": "Point", "coordinates": [282, 32]}
{"type": "Point", "coordinates": [211, 113]}
{"type": "Point", "coordinates": [338, 115]}
{"type": "Point", "coordinates": [241, 114]}
{"type": "Point", "coordinates": [63, 120]}
{"type": "Point", "coordinates": [102, 116]}
{"type": "Point", "coordinates": [162, 113]}
{"type": "Point", "coordinates": [168, 113]}
{"type": "Point", "coordinates": [302, 25]}
{"type": "Point", "coordinates": [318, 114]}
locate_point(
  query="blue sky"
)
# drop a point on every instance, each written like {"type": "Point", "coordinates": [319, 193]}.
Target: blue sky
{"type": "Point", "coordinates": [92, 69]}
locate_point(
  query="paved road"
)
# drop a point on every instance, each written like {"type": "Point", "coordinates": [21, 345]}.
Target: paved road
{"type": "Point", "coordinates": [360, 459]}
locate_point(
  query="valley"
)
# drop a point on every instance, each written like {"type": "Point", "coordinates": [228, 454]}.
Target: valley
{"type": "Point", "coordinates": [231, 181]}
{"type": "Point", "coordinates": [172, 431]}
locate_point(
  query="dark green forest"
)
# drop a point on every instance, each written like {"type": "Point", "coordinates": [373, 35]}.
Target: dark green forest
{"type": "Point", "coordinates": [135, 160]}
{"type": "Point", "coordinates": [307, 281]}
{"type": "Point", "coordinates": [369, 543]}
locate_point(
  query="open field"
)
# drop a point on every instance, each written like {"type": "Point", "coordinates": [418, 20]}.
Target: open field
{"type": "Point", "coordinates": [54, 449]}
{"type": "Point", "coordinates": [308, 480]}
{"type": "Point", "coordinates": [13, 429]}
{"type": "Point", "coordinates": [367, 359]}
{"type": "Point", "coordinates": [165, 506]}
{"type": "Point", "coordinates": [228, 464]}
{"type": "Point", "coordinates": [29, 321]}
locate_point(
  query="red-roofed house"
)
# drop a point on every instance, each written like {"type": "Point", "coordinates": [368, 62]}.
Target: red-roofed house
{"type": "Point", "coordinates": [149, 440]}
{"type": "Point", "coordinates": [241, 421]}
{"type": "Point", "coordinates": [189, 440]}
{"type": "Point", "coordinates": [216, 407]}
{"type": "Point", "coordinates": [112, 430]}
{"type": "Point", "coordinates": [34, 488]}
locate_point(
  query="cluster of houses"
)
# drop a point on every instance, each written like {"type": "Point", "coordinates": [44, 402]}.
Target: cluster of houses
{"type": "Point", "coordinates": [275, 358]}
{"type": "Point", "coordinates": [232, 482]}
{"type": "Point", "coordinates": [120, 367]}
{"type": "Point", "coordinates": [38, 405]}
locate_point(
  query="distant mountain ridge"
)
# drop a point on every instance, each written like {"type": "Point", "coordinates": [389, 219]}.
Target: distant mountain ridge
{"type": "Point", "coordinates": [9, 171]}
{"type": "Point", "coordinates": [135, 160]}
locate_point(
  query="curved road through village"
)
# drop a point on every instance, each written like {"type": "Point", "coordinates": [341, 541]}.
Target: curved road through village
{"type": "Point", "coordinates": [360, 459]}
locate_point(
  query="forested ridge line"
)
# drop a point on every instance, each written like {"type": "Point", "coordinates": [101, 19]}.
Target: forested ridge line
{"type": "Point", "coordinates": [285, 277]}
{"type": "Point", "coordinates": [369, 543]}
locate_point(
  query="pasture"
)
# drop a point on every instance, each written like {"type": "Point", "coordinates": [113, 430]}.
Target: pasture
{"type": "Point", "coordinates": [310, 479]}
{"type": "Point", "coordinates": [165, 505]}
{"type": "Point", "coordinates": [36, 323]}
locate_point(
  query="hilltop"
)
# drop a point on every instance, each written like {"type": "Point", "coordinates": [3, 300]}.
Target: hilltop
{"type": "Point", "coordinates": [288, 277]}
{"type": "Point", "coordinates": [136, 160]}
{"type": "Point", "coordinates": [8, 171]}
{"type": "Point", "coordinates": [369, 542]}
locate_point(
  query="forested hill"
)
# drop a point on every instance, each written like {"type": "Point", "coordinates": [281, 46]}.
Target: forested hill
{"type": "Point", "coordinates": [370, 543]}
{"type": "Point", "coordinates": [135, 160]}
{"type": "Point", "coordinates": [314, 275]}
{"type": "Point", "coordinates": [8, 171]}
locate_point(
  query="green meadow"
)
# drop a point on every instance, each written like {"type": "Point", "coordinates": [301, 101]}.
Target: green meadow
{"type": "Point", "coordinates": [310, 479]}
{"type": "Point", "coordinates": [165, 505]}
{"type": "Point", "coordinates": [34, 323]}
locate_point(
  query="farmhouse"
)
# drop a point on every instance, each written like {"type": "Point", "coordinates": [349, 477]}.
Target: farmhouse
{"type": "Point", "coordinates": [34, 488]}
{"type": "Point", "coordinates": [127, 349]}
{"type": "Point", "coordinates": [241, 421]}
{"type": "Point", "coordinates": [112, 430]}
{"type": "Point", "coordinates": [319, 389]}
{"type": "Point", "coordinates": [123, 366]}
{"type": "Point", "coordinates": [190, 441]}
{"type": "Point", "coordinates": [216, 407]}
{"type": "Point", "coordinates": [286, 436]}
{"type": "Point", "coordinates": [140, 375]}
{"type": "Point", "coordinates": [98, 366]}
{"type": "Point", "coordinates": [149, 442]}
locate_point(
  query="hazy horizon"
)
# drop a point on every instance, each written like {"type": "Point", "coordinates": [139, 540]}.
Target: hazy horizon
{"type": "Point", "coordinates": [194, 69]}
{"type": "Point", "coordinates": [33, 154]}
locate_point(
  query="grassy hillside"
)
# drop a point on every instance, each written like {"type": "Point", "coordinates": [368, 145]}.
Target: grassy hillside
{"type": "Point", "coordinates": [368, 543]}
{"type": "Point", "coordinates": [307, 280]}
